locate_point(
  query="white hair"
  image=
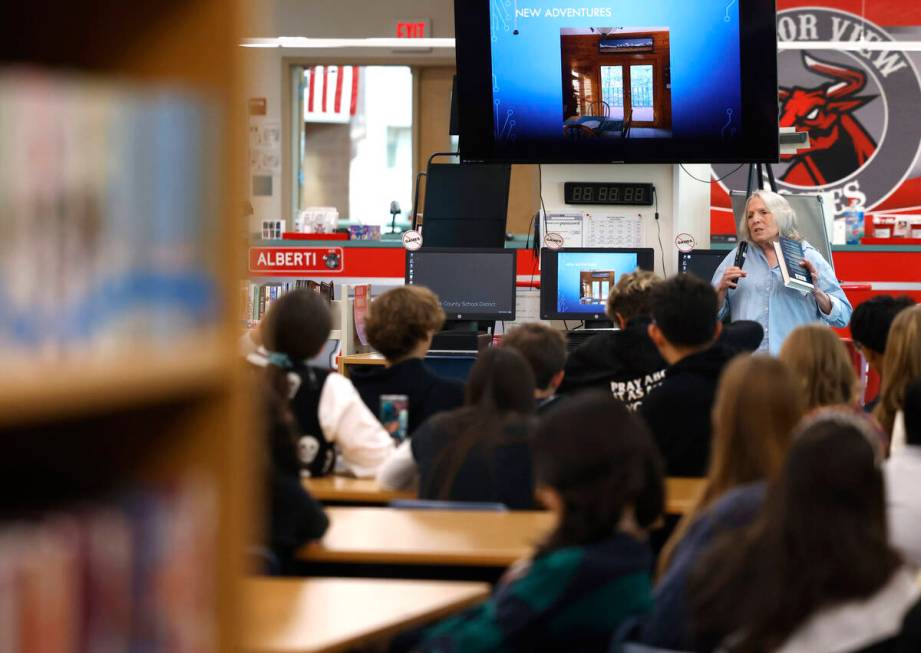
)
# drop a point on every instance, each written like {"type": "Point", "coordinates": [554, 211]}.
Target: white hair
{"type": "Point", "coordinates": [783, 213]}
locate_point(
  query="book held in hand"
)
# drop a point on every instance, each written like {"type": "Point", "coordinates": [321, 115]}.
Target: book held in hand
{"type": "Point", "coordinates": [790, 256]}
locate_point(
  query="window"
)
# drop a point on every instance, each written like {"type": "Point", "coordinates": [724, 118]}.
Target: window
{"type": "Point", "coordinates": [353, 148]}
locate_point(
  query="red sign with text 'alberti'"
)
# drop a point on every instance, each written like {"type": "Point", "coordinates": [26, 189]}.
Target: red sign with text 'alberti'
{"type": "Point", "coordinates": [295, 260]}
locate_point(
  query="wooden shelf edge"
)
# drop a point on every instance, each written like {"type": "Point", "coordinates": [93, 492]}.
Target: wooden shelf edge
{"type": "Point", "coordinates": [36, 394]}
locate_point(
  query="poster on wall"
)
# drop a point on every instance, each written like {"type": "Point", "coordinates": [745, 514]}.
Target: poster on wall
{"type": "Point", "coordinates": [860, 108]}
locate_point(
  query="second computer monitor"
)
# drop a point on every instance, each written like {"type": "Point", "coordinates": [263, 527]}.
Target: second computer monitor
{"type": "Point", "coordinates": [575, 282]}
{"type": "Point", "coordinates": [701, 262]}
{"type": "Point", "coordinates": [472, 284]}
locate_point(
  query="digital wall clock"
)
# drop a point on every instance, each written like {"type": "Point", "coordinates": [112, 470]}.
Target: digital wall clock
{"type": "Point", "coordinates": [593, 192]}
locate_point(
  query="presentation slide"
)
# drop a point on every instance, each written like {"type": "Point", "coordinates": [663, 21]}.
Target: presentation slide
{"type": "Point", "coordinates": [615, 69]}
{"type": "Point", "coordinates": [585, 279]}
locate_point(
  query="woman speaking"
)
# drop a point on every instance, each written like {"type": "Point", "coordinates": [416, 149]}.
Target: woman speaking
{"type": "Point", "coordinates": [757, 292]}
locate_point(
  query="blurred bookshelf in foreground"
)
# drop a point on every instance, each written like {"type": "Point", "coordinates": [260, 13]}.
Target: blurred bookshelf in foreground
{"type": "Point", "coordinates": [122, 154]}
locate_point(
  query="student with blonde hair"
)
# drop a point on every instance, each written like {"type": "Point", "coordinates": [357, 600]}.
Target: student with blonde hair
{"type": "Point", "coordinates": [757, 406]}
{"type": "Point", "coordinates": [821, 365]}
{"type": "Point", "coordinates": [902, 362]}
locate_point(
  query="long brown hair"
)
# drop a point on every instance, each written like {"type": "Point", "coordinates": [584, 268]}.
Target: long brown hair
{"type": "Point", "coordinates": [602, 461]}
{"type": "Point", "coordinates": [901, 364]}
{"type": "Point", "coordinates": [757, 406]}
{"type": "Point", "coordinates": [821, 540]}
{"type": "Point", "coordinates": [499, 394]}
{"type": "Point", "coordinates": [821, 364]}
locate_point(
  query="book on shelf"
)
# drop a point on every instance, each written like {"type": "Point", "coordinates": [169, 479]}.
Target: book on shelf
{"type": "Point", "coordinates": [790, 257]}
{"type": "Point", "coordinates": [259, 296]}
{"type": "Point", "coordinates": [130, 573]}
{"type": "Point", "coordinates": [107, 215]}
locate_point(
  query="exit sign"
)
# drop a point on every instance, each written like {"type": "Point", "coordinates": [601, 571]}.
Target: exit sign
{"type": "Point", "coordinates": [419, 28]}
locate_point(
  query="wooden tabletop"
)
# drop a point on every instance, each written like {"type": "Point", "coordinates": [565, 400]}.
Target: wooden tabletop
{"type": "Point", "coordinates": [345, 489]}
{"type": "Point", "coordinates": [371, 358]}
{"type": "Point", "coordinates": [681, 493]}
{"type": "Point", "coordinates": [313, 615]}
{"type": "Point", "coordinates": [428, 537]}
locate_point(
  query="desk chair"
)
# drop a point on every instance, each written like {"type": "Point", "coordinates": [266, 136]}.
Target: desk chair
{"type": "Point", "coordinates": [427, 504]}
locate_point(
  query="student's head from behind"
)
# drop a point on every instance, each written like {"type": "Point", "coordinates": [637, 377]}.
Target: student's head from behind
{"type": "Point", "coordinates": [821, 365]}
{"type": "Point", "coordinates": [757, 406]}
{"type": "Point", "coordinates": [870, 324]}
{"type": "Point", "coordinates": [545, 350]}
{"type": "Point", "coordinates": [821, 539]}
{"type": "Point", "coordinates": [684, 313]}
{"type": "Point", "coordinates": [501, 381]}
{"type": "Point", "coordinates": [297, 325]}
{"type": "Point", "coordinates": [912, 410]}
{"type": "Point", "coordinates": [901, 362]}
{"type": "Point", "coordinates": [596, 466]}
{"type": "Point", "coordinates": [402, 320]}
{"type": "Point", "coordinates": [631, 296]}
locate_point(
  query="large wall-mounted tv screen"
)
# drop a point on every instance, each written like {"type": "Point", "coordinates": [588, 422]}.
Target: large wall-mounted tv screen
{"type": "Point", "coordinates": [617, 80]}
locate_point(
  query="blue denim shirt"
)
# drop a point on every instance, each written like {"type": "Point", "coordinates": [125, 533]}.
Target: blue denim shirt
{"type": "Point", "coordinates": [762, 297]}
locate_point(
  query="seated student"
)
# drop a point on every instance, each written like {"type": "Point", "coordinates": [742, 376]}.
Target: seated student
{"type": "Point", "coordinates": [757, 407]}
{"type": "Point", "coordinates": [626, 361]}
{"type": "Point", "coordinates": [902, 362]}
{"type": "Point", "coordinates": [684, 329]}
{"type": "Point", "coordinates": [330, 416]}
{"type": "Point", "coordinates": [821, 365]}
{"type": "Point", "coordinates": [592, 572]}
{"type": "Point", "coordinates": [294, 517]}
{"type": "Point", "coordinates": [545, 350]}
{"type": "Point", "coordinates": [870, 324]}
{"type": "Point", "coordinates": [400, 325]}
{"type": "Point", "coordinates": [478, 452]}
{"type": "Point", "coordinates": [815, 571]}
{"type": "Point", "coordinates": [903, 481]}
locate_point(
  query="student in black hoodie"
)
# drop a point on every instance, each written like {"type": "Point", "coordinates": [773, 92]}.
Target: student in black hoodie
{"type": "Point", "coordinates": [685, 328]}
{"type": "Point", "coordinates": [400, 325]}
{"type": "Point", "coordinates": [626, 362]}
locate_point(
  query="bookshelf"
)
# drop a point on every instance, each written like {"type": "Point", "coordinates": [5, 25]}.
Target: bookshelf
{"type": "Point", "coordinates": [138, 430]}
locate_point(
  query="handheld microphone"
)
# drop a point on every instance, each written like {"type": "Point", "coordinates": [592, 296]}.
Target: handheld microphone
{"type": "Point", "coordinates": [741, 252]}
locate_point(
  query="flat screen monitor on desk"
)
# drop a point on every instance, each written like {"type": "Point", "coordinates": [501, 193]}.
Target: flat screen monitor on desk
{"type": "Point", "coordinates": [575, 281]}
{"type": "Point", "coordinates": [473, 285]}
{"type": "Point", "coordinates": [701, 262]}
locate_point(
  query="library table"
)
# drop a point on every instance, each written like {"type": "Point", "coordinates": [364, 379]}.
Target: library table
{"type": "Point", "coordinates": [314, 615]}
{"type": "Point", "coordinates": [391, 536]}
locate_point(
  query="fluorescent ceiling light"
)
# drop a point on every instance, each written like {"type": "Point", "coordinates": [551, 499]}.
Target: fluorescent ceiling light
{"type": "Point", "coordinates": [388, 43]}
{"type": "Point", "coordinates": [851, 46]}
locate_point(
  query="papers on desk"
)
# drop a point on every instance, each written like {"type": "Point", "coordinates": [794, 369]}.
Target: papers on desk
{"type": "Point", "coordinates": [595, 229]}
{"type": "Point", "coordinates": [527, 309]}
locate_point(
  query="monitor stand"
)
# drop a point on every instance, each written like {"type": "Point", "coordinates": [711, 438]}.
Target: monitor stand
{"type": "Point", "coordinates": [597, 324]}
{"type": "Point", "coordinates": [460, 335]}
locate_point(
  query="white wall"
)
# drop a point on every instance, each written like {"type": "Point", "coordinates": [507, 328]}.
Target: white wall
{"type": "Point", "coordinates": [689, 214]}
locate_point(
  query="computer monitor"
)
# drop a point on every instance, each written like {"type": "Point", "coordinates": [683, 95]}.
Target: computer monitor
{"type": "Point", "coordinates": [701, 262]}
{"type": "Point", "coordinates": [575, 281]}
{"type": "Point", "coordinates": [466, 204]}
{"type": "Point", "coordinates": [472, 284]}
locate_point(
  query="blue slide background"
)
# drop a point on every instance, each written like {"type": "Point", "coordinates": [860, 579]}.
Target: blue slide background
{"type": "Point", "coordinates": [570, 264]}
{"type": "Point", "coordinates": [704, 52]}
